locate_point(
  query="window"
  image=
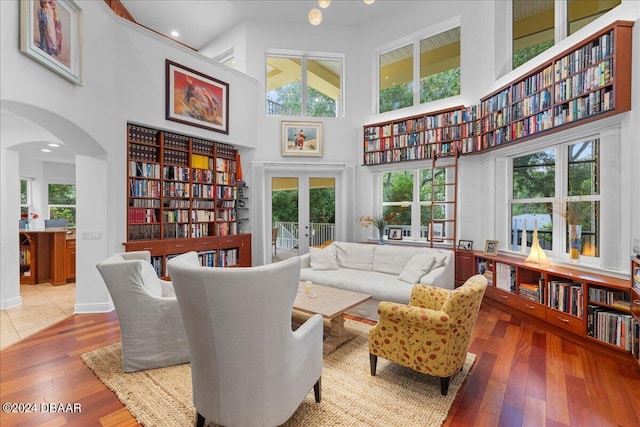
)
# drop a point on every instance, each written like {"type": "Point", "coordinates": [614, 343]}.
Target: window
{"type": "Point", "coordinates": [533, 23]}
{"type": "Point", "coordinates": [25, 196]}
{"type": "Point", "coordinates": [411, 198]}
{"type": "Point", "coordinates": [403, 83]}
{"type": "Point", "coordinates": [308, 86]}
{"type": "Point", "coordinates": [62, 202]}
{"type": "Point", "coordinates": [547, 187]}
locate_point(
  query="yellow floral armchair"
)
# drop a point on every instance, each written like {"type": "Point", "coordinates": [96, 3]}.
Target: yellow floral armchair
{"type": "Point", "coordinates": [430, 335]}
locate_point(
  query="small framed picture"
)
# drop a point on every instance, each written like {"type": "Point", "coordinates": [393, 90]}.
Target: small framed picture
{"type": "Point", "coordinates": [302, 139]}
{"type": "Point", "coordinates": [491, 247]}
{"type": "Point", "coordinates": [465, 245]}
{"type": "Point", "coordinates": [51, 33]}
{"type": "Point", "coordinates": [395, 233]}
{"type": "Point", "coordinates": [436, 231]}
{"type": "Point", "coordinates": [195, 99]}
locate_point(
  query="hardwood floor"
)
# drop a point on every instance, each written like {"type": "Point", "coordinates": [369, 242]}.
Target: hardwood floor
{"type": "Point", "coordinates": [522, 376]}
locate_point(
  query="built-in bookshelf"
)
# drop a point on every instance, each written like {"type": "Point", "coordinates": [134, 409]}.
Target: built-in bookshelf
{"type": "Point", "coordinates": [635, 305]}
{"type": "Point", "coordinates": [593, 308]}
{"type": "Point", "coordinates": [27, 260]}
{"type": "Point", "coordinates": [589, 81]}
{"type": "Point", "coordinates": [182, 196]}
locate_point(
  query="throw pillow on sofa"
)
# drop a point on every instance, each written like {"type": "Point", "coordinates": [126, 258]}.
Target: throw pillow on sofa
{"type": "Point", "coordinates": [355, 256]}
{"type": "Point", "coordinates": [418, 266]}
{"type": "Point", "coordinates": [323, 258]}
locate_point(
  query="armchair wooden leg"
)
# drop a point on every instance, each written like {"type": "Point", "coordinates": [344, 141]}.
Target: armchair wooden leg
{"type": "Point", "coordinates": [317, 389]}
{"type": "Point", "coordinates": [199, 421]}
{"type": "Point", "coordinates": [444, 385]}
{"type": "Point", "coordinates": [373, 361]}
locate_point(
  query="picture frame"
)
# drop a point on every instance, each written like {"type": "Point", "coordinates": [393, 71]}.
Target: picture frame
{"type": "Point", "coordinates": [436, 231]}
{"type": "Point", "coordinates": [395, 233]}
{"type": "Point", "coordinates": [195, 99]}
{"type": "Point", "coordinates": [52, 34]}
{"type": "Point", "coordinates": [491, 247]}
{"type": "Point", "coordinates": [465, 245]}
{"type": "Point", "coordinates": [302, 139]}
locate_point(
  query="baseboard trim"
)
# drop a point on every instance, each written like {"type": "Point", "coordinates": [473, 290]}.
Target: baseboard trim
{"type": "Point", "coordinates": [10, 303]}
{"type": "Point", "coordinates": [93, 308]}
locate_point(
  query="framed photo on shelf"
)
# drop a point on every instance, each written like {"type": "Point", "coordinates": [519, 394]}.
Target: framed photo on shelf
{"type": "Point", "coordinates": [465, 245]}
{"type": "Point", "coordinates": [193, 98]}
{"type": "Point", "coordinates": [302, 139]}
{"type": "Point", "coordinates": [436, 231]}
{"type": "Point", "coordinates": [395, 233]}
{"type": "Point", "coordinates": [491, 247]}
{"type": "Point", "coordinates": [51, 33]}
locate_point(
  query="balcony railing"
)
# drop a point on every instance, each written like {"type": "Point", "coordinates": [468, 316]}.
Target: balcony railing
{"type": "Point", "coordinates": [289, 234]}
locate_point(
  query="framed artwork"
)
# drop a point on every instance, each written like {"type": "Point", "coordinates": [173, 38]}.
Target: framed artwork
{"type": "Point", "coordinates": [302, 139]}
{"type": "Point", "coordinates": [491, 247]}
{"type": "Point", "coordinates": [51, 33]}
{"type": "Point", "coordinates": [395, 233]}
{"type": "Point", "coordinates": [436, 231]}
{"type": "Point", "coordinates": [465, 245]}
{"type": "Point", "coordinates": [196, 99]}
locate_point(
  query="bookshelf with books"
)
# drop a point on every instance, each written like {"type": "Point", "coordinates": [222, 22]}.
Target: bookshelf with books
{"type": "Point", "coordinates": [593, 309]}
{"type": "Point", "coordinates": [635, 307]}
{"type": "Point", "coordinates": [588, 81]}
{"type": "Point", "coordinates": [182, 195]}
{"type": "Point", "coordinates": [435, 134]}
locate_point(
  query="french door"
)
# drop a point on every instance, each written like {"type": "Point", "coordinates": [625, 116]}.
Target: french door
{"type": "Point", "coordinates": [303, 212]}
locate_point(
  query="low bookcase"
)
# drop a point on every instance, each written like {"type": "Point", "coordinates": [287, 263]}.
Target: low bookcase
{"type": "Point", "coordinates": [592, 309]}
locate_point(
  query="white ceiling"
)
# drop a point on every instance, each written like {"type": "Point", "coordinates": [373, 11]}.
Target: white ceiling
{"type": "Point", "coordinates": [201, 21]}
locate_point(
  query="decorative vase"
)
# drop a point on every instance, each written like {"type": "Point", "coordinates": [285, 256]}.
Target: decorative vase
{"type": "Point", "coordinates": [381, 236]}
{"type": "Point", "coordinates": [26, 225]}
{"type": "Point", "coordinates": [575, 242]}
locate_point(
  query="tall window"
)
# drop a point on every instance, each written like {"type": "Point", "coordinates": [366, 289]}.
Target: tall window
{"type": "Point", "coordinates": [534, 28]}
{"type": "Point", "coordinates": [402, 82]}
{"type": "Point", "coordinates": [25, 196]}
{"type": "Point", "coordinates": [62, 202]}
{"type": "Point", "coordinates": [309, 86]}
{"type": "Point", "coordinates": [411, 198]}
{"type": "Point", "coordinates": [548, 187]}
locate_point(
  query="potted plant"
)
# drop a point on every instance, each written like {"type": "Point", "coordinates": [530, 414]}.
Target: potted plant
{"type": "Point", "coordinates": [377, 221]}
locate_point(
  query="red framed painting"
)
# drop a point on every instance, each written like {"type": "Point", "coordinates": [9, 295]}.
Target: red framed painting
{"type": "Point", "coordinates": [196, 99]}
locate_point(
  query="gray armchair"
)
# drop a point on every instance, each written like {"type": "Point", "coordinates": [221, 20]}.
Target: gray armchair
{"type": "Point", "coordinates": [248, 367]}
{"type": "Point", "coordinates": [150, 323]}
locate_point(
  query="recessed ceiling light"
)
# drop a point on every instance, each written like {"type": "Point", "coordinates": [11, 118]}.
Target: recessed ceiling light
{"type": "Point", "coordinates": [53, 144]}
{"type": "Point", "coordinates": [45, 150]}
{"type": "Point", "coordinates": [174, 33]}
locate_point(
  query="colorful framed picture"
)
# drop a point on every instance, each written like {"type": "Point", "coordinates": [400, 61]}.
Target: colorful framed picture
{"type": "Point", "coordinates": [395, 233]}
{"type": "Point", "coordinates": [51, 33]}
{"type": "Point", "coordinates": [302, 139]}
{"type": "Point", "coordinates": [465, 245]}
{"type": "Point", "coordinates": [491, 247]}
{"type": "Point", "coordinates": [196, 99]}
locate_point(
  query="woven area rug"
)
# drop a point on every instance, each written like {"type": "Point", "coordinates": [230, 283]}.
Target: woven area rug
{"type": "Point", "coordinates": [396, 396]}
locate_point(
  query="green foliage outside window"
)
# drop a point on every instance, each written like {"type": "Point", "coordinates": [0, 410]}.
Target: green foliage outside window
{"type": "Point", "coordinates": [62, 201]}
{"type": "Point", "coordinates": [439, 86]}
{"type": "Point", "coordinates": [521, 56]}
{"type": "Point", "coordinates": [289, 97]}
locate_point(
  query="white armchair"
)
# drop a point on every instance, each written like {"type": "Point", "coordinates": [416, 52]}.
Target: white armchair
{"type": "Point", "coordinates": [248, 367]}
{"type": "Point", "coordinates": [150, 323]}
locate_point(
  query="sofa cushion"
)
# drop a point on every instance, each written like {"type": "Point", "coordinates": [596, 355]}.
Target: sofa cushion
{"type": "Point", "coordinates": [323, 258]}
{"type": "Point", "coordinates": [418, 266]}
{"type": "Point", "coordinates": [392, 259]}
{"type": "Point", "coordinates": [354, 256]}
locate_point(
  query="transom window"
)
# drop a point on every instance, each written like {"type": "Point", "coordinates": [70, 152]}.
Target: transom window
{"type": "Point", "coordinates": [404, 82]}
{"type": "Point", "coordinates": [553, 188]}
{"type": "Point", "coordinates": [304, 85]}
{"type": "Point", "coordinates": [534, 28]}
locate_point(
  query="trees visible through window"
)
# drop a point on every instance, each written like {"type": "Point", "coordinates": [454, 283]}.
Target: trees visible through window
{"type": "Point", "coordinates": [551, 186]}
{"type": "Point", "coordinates": [304, 86]}
{"type": "Point", "coordinates": [62, 202]}
{"type": "Point", "coordinates": [437, 75]}
{"type": "Point", "coordinates": [534, 23]}
{"type": "Point", "coordinates": [25, 196]}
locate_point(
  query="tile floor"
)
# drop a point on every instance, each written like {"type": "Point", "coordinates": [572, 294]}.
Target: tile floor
{"type": "Point", "coordinates": [42, 306]}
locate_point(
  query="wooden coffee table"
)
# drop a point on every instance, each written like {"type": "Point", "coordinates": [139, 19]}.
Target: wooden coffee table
{"type": "Point", "coordinates": [331, 303]}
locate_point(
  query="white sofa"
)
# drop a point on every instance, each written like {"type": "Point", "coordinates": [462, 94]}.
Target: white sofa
{"type": "Point", "coordinates": [386, 272]}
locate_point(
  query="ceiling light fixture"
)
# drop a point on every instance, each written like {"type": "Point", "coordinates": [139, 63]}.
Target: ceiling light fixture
{"type": "Point", "coordinates": [315, 16]}
{"type": "Point", "coordinates": [369, 1]}
{"type": "Point", "coordinates": [324, 3]}
{"type": "Point", "coordinates": [53, 144]}
{"type": "Point", "coordinates": [174, 33]}
{"type": "Point", "coordinates": [45, 150]}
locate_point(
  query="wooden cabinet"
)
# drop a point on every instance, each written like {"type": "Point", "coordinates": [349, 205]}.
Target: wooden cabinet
{"type": "Point", "coordinates": [70, 259]}
{"type": "Point", "coordinates": [591, 308]}
{"type": "Point", "coordinates": [464, 267]}
{"type": "Point", "coordinates": [183, 196]}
